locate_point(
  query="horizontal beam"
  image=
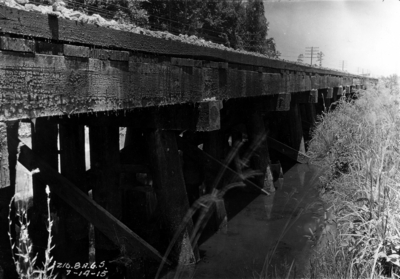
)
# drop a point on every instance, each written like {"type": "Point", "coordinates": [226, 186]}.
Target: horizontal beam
{"type": "Point", "coordinates": [49, 27]}
{"type": "Point", "coordinates": [114, 229]}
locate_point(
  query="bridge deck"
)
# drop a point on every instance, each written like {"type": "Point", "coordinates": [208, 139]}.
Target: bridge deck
{"type": "Point", "coordinates": [52, 66]}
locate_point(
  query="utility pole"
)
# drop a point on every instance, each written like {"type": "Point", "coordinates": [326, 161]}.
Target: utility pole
{"type": "Point", "coordinates": [310, 52]}
{"type": "Point", "coordinates": [342, 65]}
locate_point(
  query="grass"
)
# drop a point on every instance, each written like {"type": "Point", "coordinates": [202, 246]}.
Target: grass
{"type": "Point", "coordinates": [359, 145]}
{"type": "Point", "coordinates": [25, 262]}
{"type": "Point", "coordinates": [208, 203]}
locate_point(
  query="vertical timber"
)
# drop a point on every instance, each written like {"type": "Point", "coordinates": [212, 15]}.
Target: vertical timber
{"type": "Point", "coordinates": [166, 169]}
{"type": "Point", "coordinates": [72, 161]}
{"type": "Point", "coordinates": [44, 142]}
{"type": "Point", "coordinates": [104, 161]}
{"type": "Point", "coordinates": [260, 160]}
{"type": "Point", "coordinates": [8, 132]}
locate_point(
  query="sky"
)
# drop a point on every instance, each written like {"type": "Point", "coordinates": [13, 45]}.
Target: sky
{"type": "Point", "coordinates": [360, 36]}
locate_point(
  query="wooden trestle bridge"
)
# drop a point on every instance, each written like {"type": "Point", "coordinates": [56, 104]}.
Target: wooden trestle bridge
{"type": "Point", "coordinates": [60, 76]}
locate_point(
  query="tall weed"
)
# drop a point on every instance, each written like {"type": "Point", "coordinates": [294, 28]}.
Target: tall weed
{"type": "Point", "coordinates": [359, 144]}
{"type": "Point", "coordinates": [25, 262]}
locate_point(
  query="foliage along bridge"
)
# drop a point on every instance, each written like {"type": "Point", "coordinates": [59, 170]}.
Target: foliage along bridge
{"type": "Point", "coordinates": [61, 76]}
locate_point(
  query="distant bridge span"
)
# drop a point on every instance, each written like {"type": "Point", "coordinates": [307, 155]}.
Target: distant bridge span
{"type": "Point", "coordinates": [62, 75]}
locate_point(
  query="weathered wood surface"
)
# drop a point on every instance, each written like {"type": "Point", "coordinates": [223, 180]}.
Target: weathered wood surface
{"type": "Point", "coordinates": [44, 141]}
{"type": "Point", "coordinates": [105, 178]}
{"type": "Point", "coordinates": [65, 68]}
{"type": "Point", "coordinates": [50, 27]}
{"type": "Point", "coordinates": [47, 85]}
{"type": "Point", "coordinates": [173, 203]}
{"type": "Point", "coordinates": [89, 209]}
{"type": "Point", "coordinates": [72, 163]}
{"type": "Point", "coordinates": [4, 163]}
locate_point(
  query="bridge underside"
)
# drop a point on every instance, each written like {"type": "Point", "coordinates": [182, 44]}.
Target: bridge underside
{"type": "Point", "coordinates": [180, 116]}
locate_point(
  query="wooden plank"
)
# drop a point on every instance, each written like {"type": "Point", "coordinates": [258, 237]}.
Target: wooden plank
{"type": "Point", "coordinates": [4, 161]}
{"type": "Point", "coordinates": [57, 85]}
{"type": "Point", "coordinates": [88, 208]}
{"type": "Point", "coordinates": [72, 163]}
{"type": "Point", "coordinates": [182, 62]}
{"type": "Point", "coordinates": [17, 44]}
{"type": "Point", "coordinates": [170, 189]}
{"type": "Point", "coordinates": [51, 27]}
{"type": "Point", "coordinates": [44, 141]}
{"type": "Point", "coordinates": [104, 156]}
{"type": "Point", "coordinates": [339, 90]}
{"type": "Point", "coordinates": [296, 130]}
{"type": "Point", "coordinates": [288, 151]}
{"type": "Point", "coordinates": [209, 116]}
{"type": "Point", "coordinates": [75, 51]}
{"type": "Point", "coordinates": [106, 54]}
{"type": "Point", "coordinates": [329, 94]}
{"type": "Point", "coordinates": [283, 101]}
{"type": "Point", "coordinates": [6, 194]}
{"type": "Point", "coordinates": [49, 48]}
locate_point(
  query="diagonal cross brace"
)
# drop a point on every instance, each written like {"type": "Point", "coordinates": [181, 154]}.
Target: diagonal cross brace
{"type": "Point", "coordinates": [114, 229]}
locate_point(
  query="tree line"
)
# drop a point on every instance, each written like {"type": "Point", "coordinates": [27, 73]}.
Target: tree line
{"type": "Point", "coordinates": [237, 24]}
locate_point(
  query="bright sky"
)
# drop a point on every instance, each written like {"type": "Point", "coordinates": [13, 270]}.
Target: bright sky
{"type": "Point", "coordinates": [364, 34]}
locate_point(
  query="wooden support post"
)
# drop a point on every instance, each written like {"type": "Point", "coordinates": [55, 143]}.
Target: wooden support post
{"type": "Point", "coordinates": [324, 99]}
{"type": "Point", "coordinates": [213, 146]}
{"type": "Point", "coordinates": [44, 142]}
{"type": "Point", "coordinates": [296, 130]}
{"type": "Point", "coordinates": [260, 160]}
{"type": "Point", "coordinates": [104, 157]}
{"type": "Point", "coordinates": [7, 188]}
{"type": "Point", "coordinates": [4, 164]}
{"type": "Point", "coordinates": [171, 194]}
{"type": "Point", "coordinates": [72, 162]}
{"type": "Point", "coordinates": [139, 203]}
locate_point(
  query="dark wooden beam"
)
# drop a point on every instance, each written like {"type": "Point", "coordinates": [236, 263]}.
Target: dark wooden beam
{"type": "Point", "coordinates": [4, 159]}
{"type": "Point", "coordinates": [295, 128]}
{"type": "Point", "coordinates": [72, 162]}
{"type": "Point", "coordinates": [44, 135]}
{"type": "Point", "coordinates": [88, 208]}
{"type": "Point", "coordinates": [169, 184]}
{"type": "Point", "coordinates": [104, 157]}
{"type": "Point", "coordinates": [260, 160]}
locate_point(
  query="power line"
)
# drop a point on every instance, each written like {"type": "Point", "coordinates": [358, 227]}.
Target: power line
{"type": "Point", "coordinates": [311, 51]}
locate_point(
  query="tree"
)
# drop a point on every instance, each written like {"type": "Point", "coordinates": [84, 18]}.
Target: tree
{"type": "Point", "coordinates": [124, 11]}
{"type": "Point", "coordinates": [256, 27]}
{"type": "Point", "coordinates": [300, 58]}
{"type": "Point", "coordinates": [237, 24]}
{"type": "Point", "coordinates": [319, 57]}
